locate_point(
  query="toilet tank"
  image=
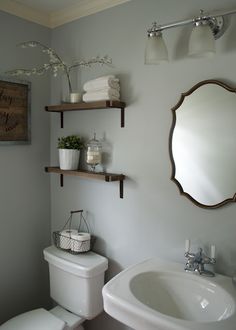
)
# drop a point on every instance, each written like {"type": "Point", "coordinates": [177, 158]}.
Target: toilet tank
{"type": "Point", "coordinates": [76, 281]}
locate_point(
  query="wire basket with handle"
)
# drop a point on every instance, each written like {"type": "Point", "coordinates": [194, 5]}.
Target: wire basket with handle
{"type": "Point", "coordinates": [73, 240]}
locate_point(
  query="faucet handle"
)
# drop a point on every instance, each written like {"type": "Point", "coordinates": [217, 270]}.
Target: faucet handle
{"type": "Point", "coordinates": [187, 245]}
{"type": "Point", "coordinates": [213, 251]}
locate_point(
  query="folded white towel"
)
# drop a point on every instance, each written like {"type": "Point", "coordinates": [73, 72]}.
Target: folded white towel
{"type": "Point", "coordinates": [108, 76]}
{"type": "Point", "coordinates": [102, 82]}
{"type": "Point", "coordinates": [92, 97]}
{"type": "Point", "coordinates": [101, 86]}
{"type": "Point", "coordinates": [107, 90]}
{"type": "Point", "coordinates": [104, 78]}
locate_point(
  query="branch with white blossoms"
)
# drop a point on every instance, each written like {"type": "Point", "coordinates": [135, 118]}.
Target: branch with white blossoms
{"type": "Point", "coordinates": [55, 63]}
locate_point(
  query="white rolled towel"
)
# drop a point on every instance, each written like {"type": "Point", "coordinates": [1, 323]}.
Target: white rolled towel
{"type": "Point", "coordinates": [102, 86]}
{"type": "Point", "coordinates": [104, 91]}
{"type": "Point", "coordinates": [102, 82]}
{"type": "Point", "coordinates": [105, 96]}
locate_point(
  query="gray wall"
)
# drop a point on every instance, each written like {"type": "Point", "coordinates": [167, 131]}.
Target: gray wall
{"type": "Point", "coordinates": [152, 219]}
{"type": "Point", "coordinates": [24, 188]}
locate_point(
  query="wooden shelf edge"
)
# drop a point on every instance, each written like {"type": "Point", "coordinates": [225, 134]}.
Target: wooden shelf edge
{"type": "Point", "coordinates": [61, 108]}
{"type": "Point", "coordinates": [108, 177]}
{"type": "Point", "coordinates": [85, 106]}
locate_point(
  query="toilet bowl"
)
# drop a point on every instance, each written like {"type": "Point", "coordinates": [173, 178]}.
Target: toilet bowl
{"type": "Point", "coordinates": [76, 283]}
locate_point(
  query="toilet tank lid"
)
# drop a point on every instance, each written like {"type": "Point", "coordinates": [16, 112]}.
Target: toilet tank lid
{"type": "Point", "coordinates": [37, 319]}
{"type": "Point", "coordinates": [87, 264]}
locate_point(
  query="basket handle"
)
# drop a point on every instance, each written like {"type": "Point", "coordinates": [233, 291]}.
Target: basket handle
{"type": "Point", "coordinates": [70, 218]}
{"type": "Point", "coordinates": [78, 211]}
{"type": "Point", "coordinates": [81, 217]}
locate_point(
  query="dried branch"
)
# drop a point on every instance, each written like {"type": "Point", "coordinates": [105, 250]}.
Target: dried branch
{"type": "Point", "coordinates": [55, 63]}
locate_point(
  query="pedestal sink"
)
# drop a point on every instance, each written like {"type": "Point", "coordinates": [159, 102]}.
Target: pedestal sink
{"type": "Point", "coordinates": [160, 295]}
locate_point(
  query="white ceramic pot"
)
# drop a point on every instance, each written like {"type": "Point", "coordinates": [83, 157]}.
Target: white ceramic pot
{"type": "Point", "coordinates": [69, 159]}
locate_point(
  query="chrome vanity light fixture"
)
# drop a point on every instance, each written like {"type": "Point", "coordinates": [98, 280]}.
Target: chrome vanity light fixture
{"type": "Point", "coordinates": [206, 28]}
{"type": "Point", "coordinates": [202, 39]}
{"type": "Point", "coordinates": [156, 51]}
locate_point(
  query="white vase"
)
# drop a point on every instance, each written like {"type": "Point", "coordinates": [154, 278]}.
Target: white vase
{"type": "Point", "coordinates": [71, 97]}
{"type": "Point", "coordinates": [69, 159]}
{"type": "Point", "coordinates": [74, 97]}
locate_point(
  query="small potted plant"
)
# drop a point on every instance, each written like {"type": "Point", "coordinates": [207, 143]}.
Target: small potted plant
{"type": "Point", "coordinates": [69, 151]}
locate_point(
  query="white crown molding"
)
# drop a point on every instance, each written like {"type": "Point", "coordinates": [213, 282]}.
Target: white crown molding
{"type": "Point", "coordinates": [60, 17]}
{"type": "Point", "coordinates": [82, 9]}
{"type": "Point", "coordinates": [23, 11]}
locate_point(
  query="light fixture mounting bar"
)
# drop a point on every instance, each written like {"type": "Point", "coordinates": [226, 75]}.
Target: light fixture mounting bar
{"type": "Point", "coordinates": [213, 18]}
{"type": "Point", "coordinates": [224, 13]}
{"type": "Point", "coordinates": [174, 24]}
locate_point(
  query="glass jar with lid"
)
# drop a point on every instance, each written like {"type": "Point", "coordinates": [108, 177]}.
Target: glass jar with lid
{"type": "Point", "coordinates": [94, 153]}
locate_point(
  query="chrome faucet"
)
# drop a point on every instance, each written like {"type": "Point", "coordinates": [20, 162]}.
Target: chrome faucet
{"type": "Point", "coordinates": [196, 261]}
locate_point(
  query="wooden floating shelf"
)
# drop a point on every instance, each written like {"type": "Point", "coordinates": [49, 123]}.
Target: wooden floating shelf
{"type": "Point", "coordinates": [107, 177]}
{"type": "Point", "coordinates": [64, 107]}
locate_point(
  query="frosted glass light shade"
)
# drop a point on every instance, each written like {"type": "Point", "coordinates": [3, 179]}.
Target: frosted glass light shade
{"type": "Point", "coordinates": [202, 42]}
{"type": "Point", "coordinates": [156, 51]}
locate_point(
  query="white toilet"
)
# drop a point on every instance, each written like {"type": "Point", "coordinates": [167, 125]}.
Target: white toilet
{"type": "Point", "coordinates": [76, 283]}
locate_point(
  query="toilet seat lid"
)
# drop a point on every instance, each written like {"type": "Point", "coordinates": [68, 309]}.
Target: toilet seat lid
{"type": "Point", "coordinates": [38, 319]}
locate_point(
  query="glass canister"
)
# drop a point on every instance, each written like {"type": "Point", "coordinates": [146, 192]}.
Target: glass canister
{"type": "Point", "coordinates": [94, 153]}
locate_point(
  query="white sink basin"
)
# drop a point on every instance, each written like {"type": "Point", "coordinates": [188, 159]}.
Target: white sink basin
{"type": "Point", "coordinates": [159, 295]}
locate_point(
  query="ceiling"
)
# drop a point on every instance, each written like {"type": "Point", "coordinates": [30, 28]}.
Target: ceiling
{"type": "Point", "coordinates": [53, 13]}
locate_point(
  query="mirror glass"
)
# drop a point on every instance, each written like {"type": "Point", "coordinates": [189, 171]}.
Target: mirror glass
{"type": "Point", "coordinates": [203, 144]}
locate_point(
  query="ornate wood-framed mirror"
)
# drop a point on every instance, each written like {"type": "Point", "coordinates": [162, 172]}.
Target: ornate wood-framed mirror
{"type": "Point", "coordinates": [202, 144]}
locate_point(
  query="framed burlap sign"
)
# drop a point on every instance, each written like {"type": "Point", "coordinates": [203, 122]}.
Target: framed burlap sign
{"type": "Point", "coordinates": [14, 111]}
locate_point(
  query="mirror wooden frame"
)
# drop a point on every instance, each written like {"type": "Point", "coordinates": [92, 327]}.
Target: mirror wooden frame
{"type": "Point", "coordinates": [174, 109]}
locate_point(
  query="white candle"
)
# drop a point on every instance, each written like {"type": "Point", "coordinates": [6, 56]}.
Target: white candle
{"type": "Point", "coordinates": [187, 245]}
{"type": "Point", "coordinates": [213, 251]}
